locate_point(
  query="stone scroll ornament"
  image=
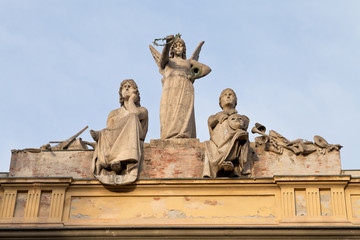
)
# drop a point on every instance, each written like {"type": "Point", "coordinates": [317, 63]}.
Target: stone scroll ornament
{"type": "Point", "coordinates": [119, 146]}
{"type": "Point", "coordinates": [177, 117]}
{"type": "Point", "coordinates": [227, 151]}
{"type": "Point", "coordinates": [274, 142]}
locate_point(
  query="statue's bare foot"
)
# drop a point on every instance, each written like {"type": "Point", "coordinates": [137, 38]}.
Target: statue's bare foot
{"type": "Point", "coordinates": [94, 135]}
{"type": "Point", "coordinates": [116, 167]}
{"type": "Point", "coordinates": [227, 166]}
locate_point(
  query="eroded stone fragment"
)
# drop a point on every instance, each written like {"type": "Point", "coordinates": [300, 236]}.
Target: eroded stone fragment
{"type": "Point", "coordinates": [275, 142]}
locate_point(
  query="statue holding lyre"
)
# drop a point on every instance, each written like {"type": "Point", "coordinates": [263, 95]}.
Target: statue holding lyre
{"type": "Point", "coordinates": [177, 117]}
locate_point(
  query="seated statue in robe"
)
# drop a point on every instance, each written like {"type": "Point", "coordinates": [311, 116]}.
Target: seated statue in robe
{"type": "Point", "coordinates": [226, 154]}
{"type": "Point", "coordinates": [119, 147]}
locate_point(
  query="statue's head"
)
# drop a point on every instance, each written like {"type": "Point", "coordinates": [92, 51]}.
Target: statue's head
{"type": "Point", "coordinates": [237, 121]}
{"type": "Point", "coordinates": [228, 98]}
{"type": "Point", "coordinates": [125, 84]}
{"type": "Point", "coordinates": [178, 45]}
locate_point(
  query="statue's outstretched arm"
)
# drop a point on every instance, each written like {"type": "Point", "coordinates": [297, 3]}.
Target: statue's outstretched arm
{"type": "Point", "coordinates": [165, 53]}
{"type": "Point", "coordinates": [198, 70]}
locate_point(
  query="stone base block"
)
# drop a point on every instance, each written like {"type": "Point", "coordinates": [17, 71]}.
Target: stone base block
{"type": "Point", "coordinates": [172, 158]}
{"type": "Point", "coordinates": [76, 164]}
{"type": "Point", "coordinates": [268, 164]}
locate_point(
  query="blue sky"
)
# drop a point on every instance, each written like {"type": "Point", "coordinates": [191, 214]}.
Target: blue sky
{"type": "Point", "coordinates": [293, 64]}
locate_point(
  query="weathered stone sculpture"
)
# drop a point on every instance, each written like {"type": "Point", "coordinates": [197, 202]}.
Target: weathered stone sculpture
{"type": "Point", "coordinates": [177, 118]}
{"type": "Point", "coordinates": [226, 154]}
{"type": "Point", "coordinates": [70, 144]}
{"type": "Point", "coordinates": [275, 142]}
{"type": "Point", "coordinates": [119, 147]}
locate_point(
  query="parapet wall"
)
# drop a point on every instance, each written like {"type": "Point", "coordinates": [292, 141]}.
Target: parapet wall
{"type": "Point", "coordinates": [178, 158]}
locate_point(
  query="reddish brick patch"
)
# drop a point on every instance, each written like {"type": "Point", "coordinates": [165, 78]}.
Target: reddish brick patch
{"type": "Point", "coordinates": [179, 158]}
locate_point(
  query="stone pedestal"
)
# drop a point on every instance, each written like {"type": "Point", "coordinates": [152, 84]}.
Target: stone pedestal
{"type": "Point", "coordinates": [268, 164]}
{"type": "Point", "coordinates": [71, 163]}
{"type": "Point", "coordinates": [172, 158]}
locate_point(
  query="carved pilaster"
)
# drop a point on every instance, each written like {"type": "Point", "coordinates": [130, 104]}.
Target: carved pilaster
{"type": "Point", "coordinates": [313, 202]}
{"type": "Point", "coordinates": [338, 200]}
{"type": "Point", "coordinates": [8, 203]}
{"type": "Point", "coordinates": [32, 203]}
{"type": "Point", "coordinates": [288, 202]}
{"type": "Point", "coordinates": [57, 203]}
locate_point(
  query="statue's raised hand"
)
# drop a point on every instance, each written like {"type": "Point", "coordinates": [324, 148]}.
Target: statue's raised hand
{"type": "Point", "coordinates": [170, 38]}
{"type": "Point", "coordinates": [134, 97]}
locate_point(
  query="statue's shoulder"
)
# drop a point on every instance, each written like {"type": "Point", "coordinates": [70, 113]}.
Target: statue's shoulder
{"type": "Point", "coordinates": [115, 112]}
{"type": "Point", "coordinates": [143, 111]}
{"type": "Point", "coordinates": [217, 114]}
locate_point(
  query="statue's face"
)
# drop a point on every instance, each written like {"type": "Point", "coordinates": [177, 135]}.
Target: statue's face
{"type": "Point", "coordinates": [228, 98]}
{"type": "Point", "coordinates": [127, 90]}
{"type": "Point", "coordinates": [236, 121]}
{"type": "Point", "coordinates": [178, 49]}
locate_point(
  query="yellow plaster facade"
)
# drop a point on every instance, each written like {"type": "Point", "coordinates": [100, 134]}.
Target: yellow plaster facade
{"type": "Point", "coordinates": [281, 201]}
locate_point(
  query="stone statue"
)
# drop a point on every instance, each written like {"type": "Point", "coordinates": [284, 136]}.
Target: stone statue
{"type": "Point", "coordinates": [177, 118]}
{"type": "Point", "coordinates": [275, 142]}
{"type": "Point", "coordinates": [226, 154]}
{"type": "Point", "coordinates": [119, 147]}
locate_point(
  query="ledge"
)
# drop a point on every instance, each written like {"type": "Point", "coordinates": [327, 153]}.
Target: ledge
{"type": "Point", "coordinates": [348, 232]}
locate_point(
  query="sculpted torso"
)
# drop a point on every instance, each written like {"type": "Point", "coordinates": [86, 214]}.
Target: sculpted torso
{"type": "Point", "coordinates": [177, 67]}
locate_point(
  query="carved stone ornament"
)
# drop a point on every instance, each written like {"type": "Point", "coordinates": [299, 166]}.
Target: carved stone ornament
{"type": "Point", "coordinates": [227, 151]}
{"type": "Point", "coordinates": [119, 147]}
{"type": "Point", "coordinates": [275, 142]}
{"type": "Point", "coordinates": [177, 117]}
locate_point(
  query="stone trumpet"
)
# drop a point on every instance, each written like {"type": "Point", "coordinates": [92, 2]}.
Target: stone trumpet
{"type": "Point", "coordinates": [268, 141]}
{"type": "Point", "coordinates": [260, 129]}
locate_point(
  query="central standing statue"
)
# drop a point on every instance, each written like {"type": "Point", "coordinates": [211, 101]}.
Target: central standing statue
{"type": "Point", "coordinates": [177, 118]}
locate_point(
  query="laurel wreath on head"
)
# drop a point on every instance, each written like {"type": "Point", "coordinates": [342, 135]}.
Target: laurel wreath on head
{"type": "Point", "coordinates": [164, 39]}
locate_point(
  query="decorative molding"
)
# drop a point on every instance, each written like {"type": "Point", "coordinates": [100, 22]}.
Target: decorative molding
{"type": "Point", "coordinates": [8, 203]}
{"type": "Point", "coordinates": [313, 202]}
{"type": "Point", "coordinates": [288, 202]}
{"type": "Point", "coordinates": [338, 200]}
{"type": "Point", "coordinates": [32, 203]}
{"type": "Point", "coordinates": [57, 203]}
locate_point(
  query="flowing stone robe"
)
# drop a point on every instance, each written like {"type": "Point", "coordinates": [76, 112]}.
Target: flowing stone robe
{"type": "Point", "coordinates": [177, 118]}
{"type": "Point", "coordinates": [120, 142]}
{"type": "Point", "coordinates": [177, 115]}
{"type": "Point", "coordinates": [225, 145]}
